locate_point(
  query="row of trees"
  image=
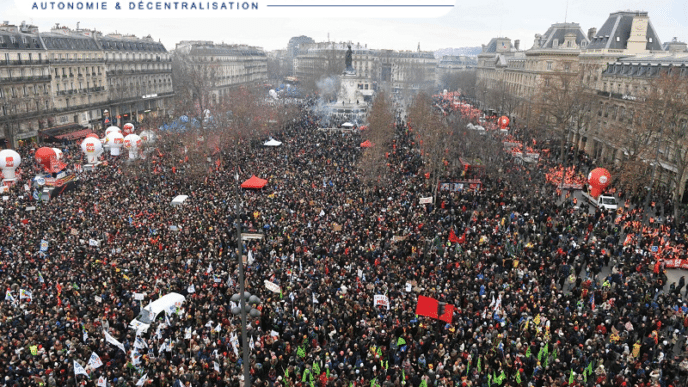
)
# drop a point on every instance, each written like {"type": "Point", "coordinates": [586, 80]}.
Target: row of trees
{"type": "Point", "coordinates": [639, 134]}
{"type": "Point", "coordinates": [219, 120]}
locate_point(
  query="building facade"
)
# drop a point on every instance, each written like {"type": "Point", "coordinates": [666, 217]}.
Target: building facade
{"type": "Point", "coordinates": [77, 66]}
{"type": "Point", "coordinates": [139, 77]}
{"type": "Point", "coordinates": [229, 65]}
{"type": "Point", "coordinates": [61, 82]}
{"type": "Point", "coordinates": [625, 34]}
{"type": "Point", "coordinates": [25, 84]}
{"type": "Point", "coordinates": [395, 70]}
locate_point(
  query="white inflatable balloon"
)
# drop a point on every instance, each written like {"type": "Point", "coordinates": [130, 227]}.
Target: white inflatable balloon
{"type": "Point", "coordinates": [132, 143]}
{"type": "Point", "coordinates": [115, 141]}
{"type": "Point", "coordinates": [9, 162]}
{"type": "Point", "coordinates": [92, 148]}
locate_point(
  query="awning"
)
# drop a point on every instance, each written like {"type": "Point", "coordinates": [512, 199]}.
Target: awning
{"type": "Point", "coordinates": [62, 129]}
{"type": "Point", "coordinates": [254, 182]}
{"type": "Point", "coordinates": [75, 135]}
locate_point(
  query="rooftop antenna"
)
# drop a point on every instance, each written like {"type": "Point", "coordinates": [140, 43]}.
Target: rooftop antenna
{"type": "Point", "coordinates": [566, 13]}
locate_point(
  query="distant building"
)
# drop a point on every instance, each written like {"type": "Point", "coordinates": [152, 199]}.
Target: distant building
{"type": "Point", "coordinates": [233, 65]}
{"type": "Point", "coordinates": [139, 77]}
{"type": "Point", "coordinates": [78, 84]}
{"type": "Point", "coordinates": [59, 83]}
{"type": "Point", "coordinates": [294, 48]}
{"type": "Point", "coordinates": [25, 84]}
{"type": "Point", "coordinates": [400, 70]}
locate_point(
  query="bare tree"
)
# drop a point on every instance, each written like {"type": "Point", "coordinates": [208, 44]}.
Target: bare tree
{"type": "Point", "coordinates": [432, 133]}
{"type": "Point", "coordinates": [667, 109]}
{"type": "Point", "coordinates": [195, 82]}
{"type": "Point", "coordinates": [561, 99]}
{"type": "Point", "coordinates": [380, 132]}
{"type": "Point", "coordinates": [633, 137]}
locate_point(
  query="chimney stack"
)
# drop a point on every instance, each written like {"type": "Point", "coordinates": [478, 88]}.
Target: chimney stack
{"type": "Point", "coordinates": [591, 33]}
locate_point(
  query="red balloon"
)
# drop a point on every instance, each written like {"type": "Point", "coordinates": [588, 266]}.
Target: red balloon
{"type": "Point", "coordinates": [599, 179]}
{"type": "Point", "coordinates": [504, 122]}
{"type": "Point", "coordinates": [44, 155]}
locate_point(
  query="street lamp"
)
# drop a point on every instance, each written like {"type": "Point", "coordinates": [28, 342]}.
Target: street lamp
{"type": "Point", "coordinates": [243, 308]}
{"type": "Point", "coordinates": [246, 306]}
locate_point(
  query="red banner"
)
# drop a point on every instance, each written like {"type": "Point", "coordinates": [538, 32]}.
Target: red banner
{"type": "Point", "coordinates": [427, 307]}
{"type": "Point", "coordinates": [676, 263]}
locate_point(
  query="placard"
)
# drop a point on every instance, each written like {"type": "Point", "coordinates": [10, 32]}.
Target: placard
{"type": "Point", "coordinates": [381, 300]}
{"type": "Point", "coordinates": [273, 287]}
{"type": "Point", "coordinates": [427, 200]}
{"type": "Point", "coordinates": [139, 296]}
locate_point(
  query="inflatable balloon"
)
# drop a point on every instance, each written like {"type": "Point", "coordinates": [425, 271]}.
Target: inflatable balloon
{"type": "Point", "coordinates": [92, 135]}
{"type": "Point", "coordinates": [599, 179]}
{"type": "Point", "coordinates": [92, 148]}
{"type": "Point", "coordinates": [9, 162]}
{"type": "Point", "coordinates": [115, 141]}
{"type": "Point", "coordinates": [44, 155]}
{"type": "Point", "coordinates": [58, 153]}
{"type": "Point", "coordinates": [128, 129]}
{"type": "Point", "coordinates": [503, 122]}
{"type": "Point", "coordinates": [132, 143]}
{"type": "Point", "coordinates": [147, 137]}
{"type": "Point", "coordinates": [112, 129]}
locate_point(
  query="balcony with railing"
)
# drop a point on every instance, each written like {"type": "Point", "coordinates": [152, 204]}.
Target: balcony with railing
{"type": "Point", "coordinates": [30, 78]}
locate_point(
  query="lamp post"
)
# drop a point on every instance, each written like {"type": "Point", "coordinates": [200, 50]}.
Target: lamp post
{"type": "Point", "coordinates": [243, 296]}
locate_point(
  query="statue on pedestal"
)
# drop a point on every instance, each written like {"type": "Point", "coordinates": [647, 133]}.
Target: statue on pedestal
{"type": "Point", "coordinates": [347, 61]}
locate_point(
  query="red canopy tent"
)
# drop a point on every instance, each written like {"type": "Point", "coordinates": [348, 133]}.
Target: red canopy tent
{"type": "Point", "coordinates": [366, 144]}
{"type": "Point", "coordinates": [254, 182]}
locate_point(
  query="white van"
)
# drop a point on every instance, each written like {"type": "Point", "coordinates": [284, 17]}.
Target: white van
{"type": "Point", "coordinates": [168, 303]}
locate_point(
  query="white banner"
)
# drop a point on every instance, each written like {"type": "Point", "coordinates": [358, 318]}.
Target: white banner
{"type": "Point", "coordinates": [95, 362]}
{"type": "Point", "coordinates": [113, 341]}
{"type": "Point", "coordinates": [273, 287]}
{"type": "Point", "coordinates": [381, 300]}
{"type": "Point", "coordinates": [427, 200]}
{"type": "Point", "coordinates": [139, 296]}
{"type": "Point", "coordinates": [78, 369]}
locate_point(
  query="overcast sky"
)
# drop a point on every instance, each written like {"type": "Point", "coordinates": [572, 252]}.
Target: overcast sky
{"type": "Point", "coordinates": [469, 23]}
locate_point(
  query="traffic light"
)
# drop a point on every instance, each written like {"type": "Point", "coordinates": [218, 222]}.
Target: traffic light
{"type": "Point", "coordinates": [440, 308]}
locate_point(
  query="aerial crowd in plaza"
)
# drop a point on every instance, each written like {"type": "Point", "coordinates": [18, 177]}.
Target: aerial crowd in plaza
{"type": "Point", "coordinates": [545, 293]}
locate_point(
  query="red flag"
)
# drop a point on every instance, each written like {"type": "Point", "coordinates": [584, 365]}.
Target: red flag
{"type": "Point", "coordinates": [448, 313]}
{"type": "Point", "coordinates": [427, 307]}
{"type": "Point", "coordinates": [463, 238]}
{"type": "Point", "coordinates": [453, 238]}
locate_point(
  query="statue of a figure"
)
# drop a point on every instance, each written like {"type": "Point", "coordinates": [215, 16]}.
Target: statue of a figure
{"type": "Point", "coordinates": [347, 61]}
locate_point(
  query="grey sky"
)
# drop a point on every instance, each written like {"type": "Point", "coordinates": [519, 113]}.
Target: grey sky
{"type": "Point", "coordinates": [469, 23]}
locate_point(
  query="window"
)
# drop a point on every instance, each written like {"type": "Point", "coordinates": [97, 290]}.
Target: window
{"type": "Point", "coordinates": [549, 65]}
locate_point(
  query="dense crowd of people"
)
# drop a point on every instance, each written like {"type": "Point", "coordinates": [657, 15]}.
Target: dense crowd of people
{"type": "Point", "coordinates": [534, 305]}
